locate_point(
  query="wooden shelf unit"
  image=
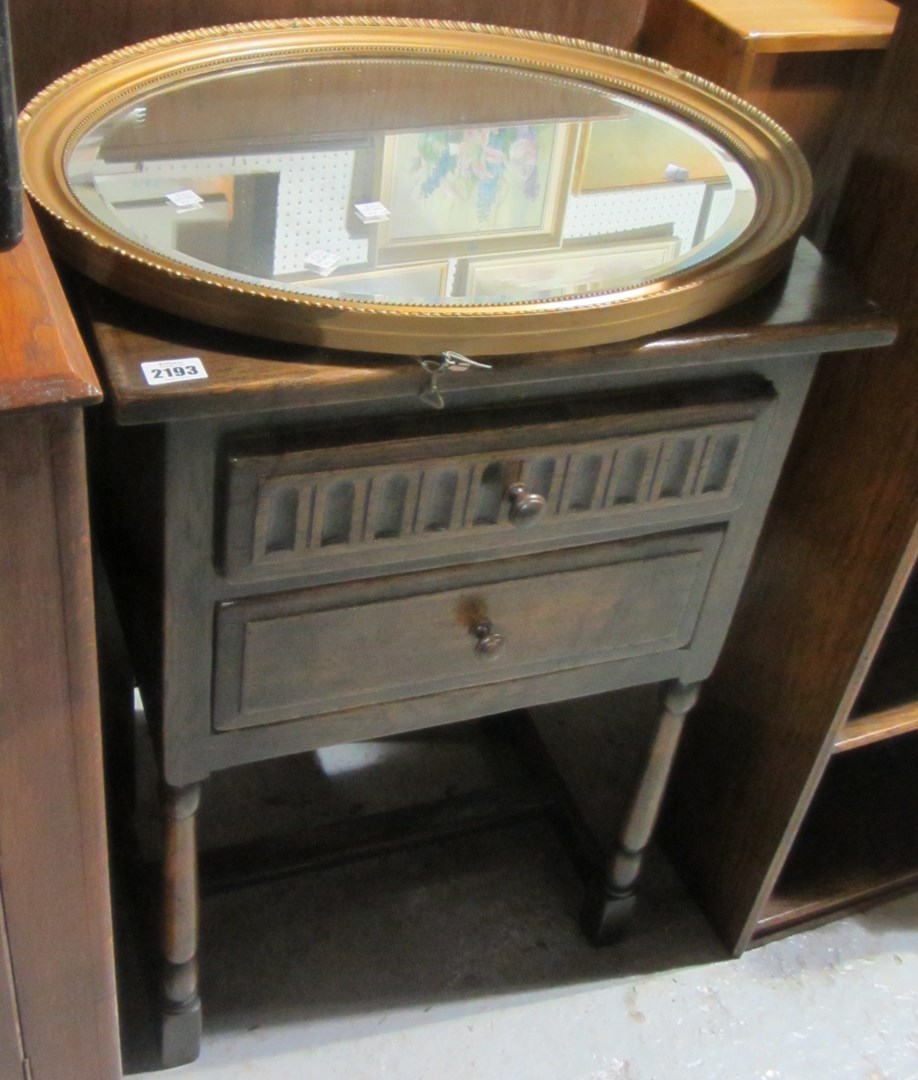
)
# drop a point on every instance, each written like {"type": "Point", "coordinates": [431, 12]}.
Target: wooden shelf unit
{"type": "Point", "coordinates": [795, 797]}
{"type": "Point", "coordinates": [58, 1014]}
{"type": "Point", "coordinates": [798, 61]}
{"type": "Point", "coordinates": [809, 64]}
{"type": "Point", "coordinates": [858, 841]}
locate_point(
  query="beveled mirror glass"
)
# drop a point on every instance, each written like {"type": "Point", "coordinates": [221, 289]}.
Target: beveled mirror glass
{"type": "Point", "coordinates": [402, 186]}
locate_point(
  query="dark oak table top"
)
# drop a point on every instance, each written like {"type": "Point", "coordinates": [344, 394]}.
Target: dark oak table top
{"type": "Point", "coordinates": [812, 308]}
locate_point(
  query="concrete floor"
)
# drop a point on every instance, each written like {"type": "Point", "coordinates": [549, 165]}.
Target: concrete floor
{"type": "Point", "coordinates": [462, 959]}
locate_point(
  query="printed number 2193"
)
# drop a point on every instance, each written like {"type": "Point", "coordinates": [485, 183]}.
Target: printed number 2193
{"type": "Point", "coordinates": [159, 372]}
{"type": "Point", "coordinates": [180, 371]}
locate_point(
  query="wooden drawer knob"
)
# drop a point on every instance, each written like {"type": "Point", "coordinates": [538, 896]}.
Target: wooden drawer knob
{"type": "Point", "coordinates": [525, 506]}
{"type": "Point", "coordinates": [490, 643]}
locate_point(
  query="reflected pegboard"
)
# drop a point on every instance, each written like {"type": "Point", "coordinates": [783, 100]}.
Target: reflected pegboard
{"type": "Point", "coordinates": [314, 192]}
{"type": "Point", "coordinates": [604, 212]}
{"type": "Point", "coordinates": [312, 209]}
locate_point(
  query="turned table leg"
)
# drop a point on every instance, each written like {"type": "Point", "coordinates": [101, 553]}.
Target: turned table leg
{"type": "Point", "coordinates": [181, 1005]}
{"type": "Point", "coordinates": [610, 905]}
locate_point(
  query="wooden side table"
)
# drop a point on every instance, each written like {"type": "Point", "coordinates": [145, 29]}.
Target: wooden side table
{"type": "Point", "coordinates": [300, 610]}
{"type": "Point", "coordinates": [57, 986]}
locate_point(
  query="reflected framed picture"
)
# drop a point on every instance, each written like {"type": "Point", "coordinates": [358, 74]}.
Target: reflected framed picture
{"type": "Point", "coordinates": [474, 190]}
{"type": "Point", "coordinates": [411, 284]}
{"type": "Point", "coordinates": [631, 150]}
{"type": "Point", "coordinates": [569, 272]}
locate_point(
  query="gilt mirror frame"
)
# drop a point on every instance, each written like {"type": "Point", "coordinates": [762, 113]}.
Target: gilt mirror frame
{"type": "Point", "coordinates": [55, 119]}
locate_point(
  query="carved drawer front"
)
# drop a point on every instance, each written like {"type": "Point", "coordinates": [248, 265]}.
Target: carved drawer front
{"type": "Point", "coordinates": [340, 647]}
{"type": "Point", "coordinates": [376, 501]}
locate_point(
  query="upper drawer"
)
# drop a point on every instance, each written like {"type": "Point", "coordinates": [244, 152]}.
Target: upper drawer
{"type": "Point", "coordinates": [561, 471]}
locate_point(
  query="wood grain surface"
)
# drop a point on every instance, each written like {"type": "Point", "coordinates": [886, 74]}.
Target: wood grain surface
{"type": "Point", "coordinates": [10, 179]}
{"type": "Point", "coordinates": [832, 551]}
{"type": "Point", "coordinates": [54, 872]}
{"type": "Point", "coordinates": [52, 820]}
{"type": "Point", "coordinates": [43, 361]}
{"type": "Point", "coordinates": [792, 25]}
{"type": "Point", "coordinates": [87, 31]}
{"type": "Point", "coordinates": [12, 1053]}
{"type": "Point", "coordinates": [812, 306]}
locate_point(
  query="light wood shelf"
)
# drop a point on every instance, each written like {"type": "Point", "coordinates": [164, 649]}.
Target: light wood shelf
{"type": "Point", "coordinates": [875, 727]}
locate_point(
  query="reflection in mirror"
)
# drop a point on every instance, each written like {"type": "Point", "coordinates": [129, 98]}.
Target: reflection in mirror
{"type": "Point", "coordinates": [411, 181]}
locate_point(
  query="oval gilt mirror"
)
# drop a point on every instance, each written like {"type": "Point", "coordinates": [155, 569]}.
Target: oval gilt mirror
{"type": "Point", "coordinates": [400, 186]}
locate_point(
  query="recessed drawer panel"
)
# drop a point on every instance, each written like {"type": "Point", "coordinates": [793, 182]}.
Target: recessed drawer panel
{"type": "Point", "coordinates": [340, 647]}
{"type": "Point", "coordinates": [382, 501]}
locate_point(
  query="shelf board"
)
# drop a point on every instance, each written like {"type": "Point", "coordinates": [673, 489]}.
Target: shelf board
{"type": "Point", "coordinates": [874, 727]}
{"type": "Point", "coordinates": [786, 911]}
{"type": "Point", "coordinates": [858, 841]}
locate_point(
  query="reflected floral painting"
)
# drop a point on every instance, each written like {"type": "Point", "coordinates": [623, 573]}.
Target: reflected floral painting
{"type": "Point", "coordinates": [469, 184]}
{"type": "Point", "coordinates": [480, 164]}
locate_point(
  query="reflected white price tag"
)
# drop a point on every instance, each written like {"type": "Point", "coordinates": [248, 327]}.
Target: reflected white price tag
{"type": "Point", "coordinates": [185, 199]}
{"type": "Point", "coordinates": [371, 212]}
{"type": "Point", "coordinates": [161, 372]}
{"type": "Point", "coordinates": [322, 262]}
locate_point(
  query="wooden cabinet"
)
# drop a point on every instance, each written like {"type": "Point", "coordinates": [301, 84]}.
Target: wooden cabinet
{"type": "Point", "coordinates": [796, 799]}
{"type": "Point", "coordinates": [808, 64]}
{"type": "Point", "coordinates": [798, 62]}
{"type": "Point", "coordinates": [329, 559]}
{"type": "Point", "coordinates": [57, 990]}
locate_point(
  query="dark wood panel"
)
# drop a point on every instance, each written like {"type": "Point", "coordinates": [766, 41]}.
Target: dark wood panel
{"type": "Point", "coordinates": [52, 822]}
{"type": "Point", "coordinates": [892, 681]}
{"type": "Point", "coordinates": [72, 32]}
{"type": "Point", "coordinates": [844, 513]}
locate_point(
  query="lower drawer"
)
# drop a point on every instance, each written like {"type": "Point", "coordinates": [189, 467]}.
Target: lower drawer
{"type": "Point", "coordinates": [338, 647]}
